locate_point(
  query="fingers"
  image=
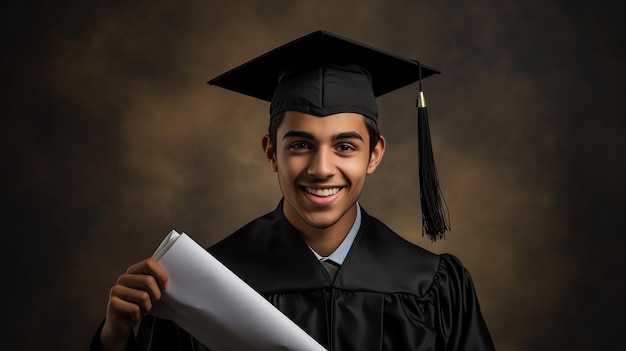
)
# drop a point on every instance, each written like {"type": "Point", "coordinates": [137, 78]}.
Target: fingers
{"type": "Point", "coordinates": [141, 284]}
{"type": "Point", "coordinates": [132, 297]}
{"type": "Point", "coordinates": [150, 267]}
{"type": "Point", "coordinates": [137, 290]}
{"type": "Point", "coordinates": [133, 303]}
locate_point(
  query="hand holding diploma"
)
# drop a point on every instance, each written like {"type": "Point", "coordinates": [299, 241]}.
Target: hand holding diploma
{"type": "Point", "coordinates": [182, 282]}
{"type": "Point", "coordinates": [133, 296]}
{"type": "Point", "coordinates": [220, 310]}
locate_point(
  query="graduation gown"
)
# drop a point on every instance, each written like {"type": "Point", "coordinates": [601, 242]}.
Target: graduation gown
{"type": "Point", "coordinates": [389, 294]}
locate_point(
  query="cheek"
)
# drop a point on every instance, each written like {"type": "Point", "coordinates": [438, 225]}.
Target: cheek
{"type": "Point", "coordinates": [290, 168]}
{"type": "Point", "coordinates": [356, 171]}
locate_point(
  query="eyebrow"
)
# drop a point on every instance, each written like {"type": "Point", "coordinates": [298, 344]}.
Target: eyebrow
{"type": "Point", "coordinates": [309, 136]}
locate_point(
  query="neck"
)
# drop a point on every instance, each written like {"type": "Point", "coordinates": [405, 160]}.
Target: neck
{"type": "Point", "coordinates": [323, 240]}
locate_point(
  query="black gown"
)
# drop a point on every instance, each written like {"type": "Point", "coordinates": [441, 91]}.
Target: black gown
{"type": "Point", "coordinates": [389, 294]}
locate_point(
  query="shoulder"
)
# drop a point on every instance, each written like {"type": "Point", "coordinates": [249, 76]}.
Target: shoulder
{"type": "Point", "coordinates": [269, 255]}
{"type": "Point", "coordinates": [250, 238]}
{"type": "Point", "coordinates": [383, 261]}
{"type": "Point", "coordinates": [452, 284]}
{"type": "Point", "coordinates": [377, 234]}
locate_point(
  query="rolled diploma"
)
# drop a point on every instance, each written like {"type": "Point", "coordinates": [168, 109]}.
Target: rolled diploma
{"type": "Point", "coordinates": [218, 308]}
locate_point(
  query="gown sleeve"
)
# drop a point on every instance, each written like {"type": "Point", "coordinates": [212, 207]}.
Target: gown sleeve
{"type": "Point", "coordinates": [156, 334]}
{"type": "Point", "coordinates": [460, 324]}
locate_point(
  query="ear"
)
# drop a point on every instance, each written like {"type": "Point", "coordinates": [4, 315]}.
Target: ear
{"type": "Point", "coordinates": [270, 152]}
{"type": "Point", "coordinates": [377, 155]}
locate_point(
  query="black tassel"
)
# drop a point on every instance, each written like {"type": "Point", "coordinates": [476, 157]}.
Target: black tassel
{"type": "Point", "coordinates": [435, 216]}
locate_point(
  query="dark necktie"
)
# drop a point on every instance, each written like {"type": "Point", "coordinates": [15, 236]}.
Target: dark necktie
{"type": "Point", "coordinates": [331, 267]}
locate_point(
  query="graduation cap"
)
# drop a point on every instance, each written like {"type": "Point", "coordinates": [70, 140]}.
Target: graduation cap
{"type": "Point", "coordinates": [323, 74]}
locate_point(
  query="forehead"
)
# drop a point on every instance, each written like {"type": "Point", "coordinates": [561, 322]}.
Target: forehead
{"type": "Point", "coordinates": [322, 126]}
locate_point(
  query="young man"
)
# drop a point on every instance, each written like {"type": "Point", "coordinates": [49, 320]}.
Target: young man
{"type": "Point", "coordinates": [338, 273]}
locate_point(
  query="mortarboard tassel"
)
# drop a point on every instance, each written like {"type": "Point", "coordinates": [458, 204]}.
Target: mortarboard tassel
{"type": "Point", "coordinates": [435, 216]}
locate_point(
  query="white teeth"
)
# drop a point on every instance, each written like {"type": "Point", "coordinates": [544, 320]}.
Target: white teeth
{"type": "Point", "coordinates": [322, 192]}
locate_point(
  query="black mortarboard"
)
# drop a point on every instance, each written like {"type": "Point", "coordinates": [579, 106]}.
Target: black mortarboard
{"type": "Point", "coordinates": [323, 74]}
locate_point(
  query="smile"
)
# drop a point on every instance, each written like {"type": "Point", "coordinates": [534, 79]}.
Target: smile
{"type": "Point", "coordinates": [322, 192]}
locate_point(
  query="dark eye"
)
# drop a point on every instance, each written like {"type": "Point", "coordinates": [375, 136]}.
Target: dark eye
{"type": "Point", "coordinates": [299, 145]}
{"type": "Point", "coordinates": [345, 147]}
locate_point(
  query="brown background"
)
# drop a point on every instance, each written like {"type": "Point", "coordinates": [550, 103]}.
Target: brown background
{"type": "Point", "coordinates": [111, 138]}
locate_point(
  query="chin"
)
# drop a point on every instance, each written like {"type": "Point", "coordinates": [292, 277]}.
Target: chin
{"type": "Point", "coordinates": [321, 220]}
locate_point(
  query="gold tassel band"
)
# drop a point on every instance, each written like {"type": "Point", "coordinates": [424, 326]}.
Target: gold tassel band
{"type": "Point", "coordinates": [421, 100]}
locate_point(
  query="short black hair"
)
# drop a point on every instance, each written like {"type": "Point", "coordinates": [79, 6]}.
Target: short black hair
{"type": "Point", "coordinates": [370, 125]}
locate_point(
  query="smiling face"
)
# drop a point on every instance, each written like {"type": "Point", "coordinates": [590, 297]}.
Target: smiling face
{"type": "Point", "coordinates": [322, 163]}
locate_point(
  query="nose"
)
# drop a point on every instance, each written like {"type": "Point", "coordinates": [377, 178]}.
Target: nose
{"type": "Point", "coordinates": [322, 164]}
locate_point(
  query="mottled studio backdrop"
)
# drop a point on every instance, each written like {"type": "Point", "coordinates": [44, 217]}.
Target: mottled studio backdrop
{"type": "Point", "coordinates": [110, 138]}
